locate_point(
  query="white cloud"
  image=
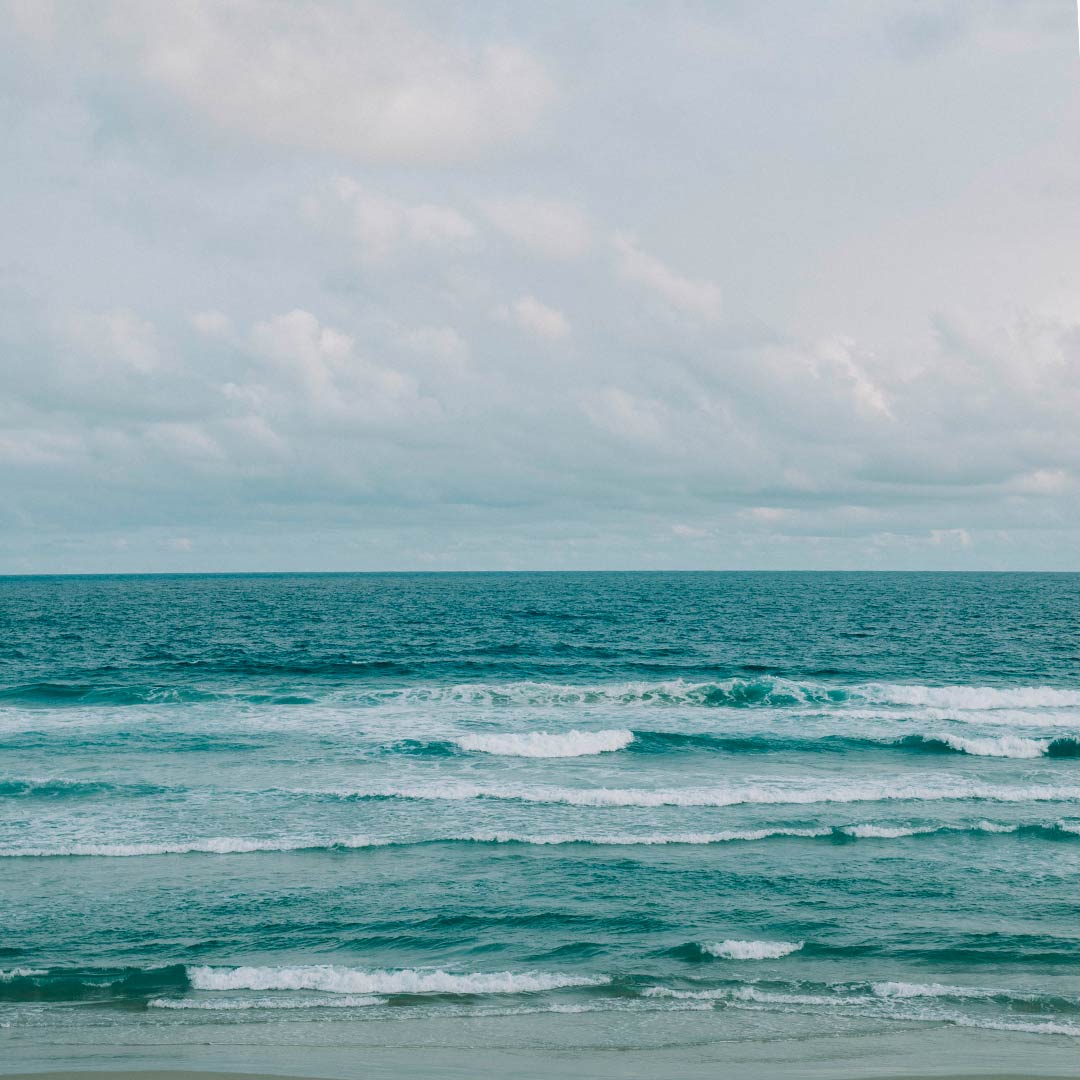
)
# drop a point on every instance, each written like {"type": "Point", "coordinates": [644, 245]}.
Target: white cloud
{"type": "Point", "coordinates": [837, 356]}
{"type": "Point", "coordinates": [694, 296]}
{"type": "Point", "coordinates": [625, 415]}
{"type": "Point", "coordinates": [537, 318]}
{"type": "Point", "coordinates": [550, 227]}
{"type": "Point", "coordinates": [950, 538]}
{"type": "Point", "coordinates": [359, 79]}
{"type": "Point", "coordinates": [1042, 482]}
{"type": "Point", "coordinates": [212, 323]}
{"type": "Point", "coordinates": [323, 367]}
{"type": "Point", "coordinates": [383, 228]}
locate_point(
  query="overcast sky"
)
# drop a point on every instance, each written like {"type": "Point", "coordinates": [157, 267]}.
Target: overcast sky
{"type": "Point", "coordinates": [341, 285]}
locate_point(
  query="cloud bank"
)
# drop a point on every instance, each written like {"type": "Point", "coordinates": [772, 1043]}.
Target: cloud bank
{"type": "Point", "coordinates": [311, 285]}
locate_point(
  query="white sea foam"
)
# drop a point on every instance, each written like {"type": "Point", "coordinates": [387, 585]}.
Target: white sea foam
{"type": "Point", "coordinates": [20, 973]}
{"type": "Point", "coordinates": [240, 845]}
{"type": "Point", "coordinates": [1010, 746]}
{"type": "Point", "coordinates": [632, 693]}
{"type": "Point", "coordinates": [215, 845]}
{"type": "Point", "coordinates": [969, 697]}
{"type": "Point", "coordinates": [760, 791]}
{"type": "Point", "coordinates": [740, 692]}
{"type": "Point", "coordinates": [751, 950]}
{"type": "Point", "coordinates": [886, 832]}
{"type": "Point", "coordinates": [931, 990]}
{"type": "Point", "coordinates": [342, 980]}
{"type": "Point", "coordinates": [643, 840]}
{"type": "Point", "coordinates": [1047, 1027]}
{"type": "Point", "coordinates": [751, 993]}
{"type": "Point", "coordinates": [684, 995]}
{"type": "Point", "coordinates": [236, 845]}
{"type": "Point", "coordinates": [542, 744]}
{"type": "Point", "coordinates": [347, 1001]}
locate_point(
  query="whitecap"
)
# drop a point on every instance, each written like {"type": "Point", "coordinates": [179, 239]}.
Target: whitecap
{"type": "Point", "coordinates": [754, 791]}
{"type": "Point", "coordinates": [542, 744]}
{"type": "Point", "coordinates": [347, 1001]}
{"type": "Point", "coordinates": [342, 980]}
{"type": "Point", "coordinates": [751, 950]}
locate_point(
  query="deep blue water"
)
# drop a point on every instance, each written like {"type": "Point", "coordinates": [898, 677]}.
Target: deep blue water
{"type": "Point", "coordinates": [790, 804]}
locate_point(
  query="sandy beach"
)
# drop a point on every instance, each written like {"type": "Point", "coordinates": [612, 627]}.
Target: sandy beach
{"type": "Point", "coordinates": [450, 1070]}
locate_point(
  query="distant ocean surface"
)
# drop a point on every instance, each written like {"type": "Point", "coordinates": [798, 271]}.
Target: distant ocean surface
{"type": "Point", "coordinates": [614, 810]}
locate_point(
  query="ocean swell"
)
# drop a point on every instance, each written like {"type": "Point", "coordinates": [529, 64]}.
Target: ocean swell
{"type": "Point", "coordinates": [342, 980]}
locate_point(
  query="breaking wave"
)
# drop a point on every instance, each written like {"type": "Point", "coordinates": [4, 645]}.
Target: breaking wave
{"type": "Point", "coordinates": [348, 1001]}
{"type": "Point", "coordinates": [735, 693]}
{"type": "Point", "coordinates": [751, 950]}
{"type": "Point", "coordinates": [764, 791]}
{"type": "Point", "coordinates": [229, 845]}
{"type": "Point", "coordinates": [542, 744]}
{"type": "Point", "coordinates": [342, 980]}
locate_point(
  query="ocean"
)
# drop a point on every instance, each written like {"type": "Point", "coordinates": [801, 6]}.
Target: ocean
{"type": "Point", "coordinates": [309, 821]}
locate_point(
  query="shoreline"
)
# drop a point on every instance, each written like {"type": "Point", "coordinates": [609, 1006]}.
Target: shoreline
{"type": "Point", "coordinates": [452, 1069]}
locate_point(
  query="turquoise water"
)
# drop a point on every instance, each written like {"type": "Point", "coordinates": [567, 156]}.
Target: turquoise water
{"type": "Point", "coordinates": [741, 807]}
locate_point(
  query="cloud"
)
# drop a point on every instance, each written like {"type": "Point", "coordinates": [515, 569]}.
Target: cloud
{"type": "Point", "coordinates": [692, 296]}
{"type": "Point", "coordinates": [688, 532]}
{"type": "Point", "coordinates": [549, 227]}
{"type": "Point", "coordinates": [950, 537]}
{"type": "Point", "coordinates": [381, 228]}
{"type": "Point", "coordinates": [318, 368]}
{"type": "Point", "coordinates": [360, 80]}
{"type": "Point", "coordinates": [114, 343]}
{"type": "Point", "coordinates": [350, 271]}
{"type": "Point", "coordinates": [625, 415]}
{"type": "Point", "coordinates": [441, 342]}
{"type": "Point", "coordinates": [537, 318]}
{"type": "Point", "coordinates": [212, 323]}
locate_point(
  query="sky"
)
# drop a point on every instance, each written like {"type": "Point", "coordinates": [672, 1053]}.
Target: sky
{"type": "Point", "coordinates": [745, 284]}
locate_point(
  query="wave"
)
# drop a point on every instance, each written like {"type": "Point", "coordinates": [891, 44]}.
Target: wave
{"type": "Point", "coordinates": [766, 791]}
{"type": "Point", "coordinates": [231, 845]}
{"type": "Point", "coordinates": [1046, 1027]}
{"type": "Point", "coordinates": [653, 742]}
{"type": "Point", "coordinates": [92, 984]}
{"type": "Point", "coordinates": [63, 693]}
{"type": "Point", "coordinates": [1009, 746]}
{"type": "Point", "coordinates": [939, 990]}
{"type": "Point", "coordinates": [969, 697]}
{"type": "Point", "coordinates": [766, 691]}
{"type": "Point", "coordinates": [47, 787]}
{"type": "Point", "coordinates": [678, 692]}
{"type": "Point", "coordinates": [215, 845]}
{"type": "Point", "coordinates": [348, 1001]}
{"type": "Point", "coordinates": [542, 744]}
{"type": "Point", "coordinates": [735, 692]}
{"type": "Point", "coordinates": [341, 980]}
{"type": "Point", "coordinates": [751, 950]}
{"type": "Point", "coordinates": [751, 993]}
{"type": "Point", "coordinates": [894, 996]}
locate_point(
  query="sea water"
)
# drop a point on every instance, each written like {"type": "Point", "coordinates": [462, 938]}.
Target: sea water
{"type": "Point", "coordinates": [611, 811]}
